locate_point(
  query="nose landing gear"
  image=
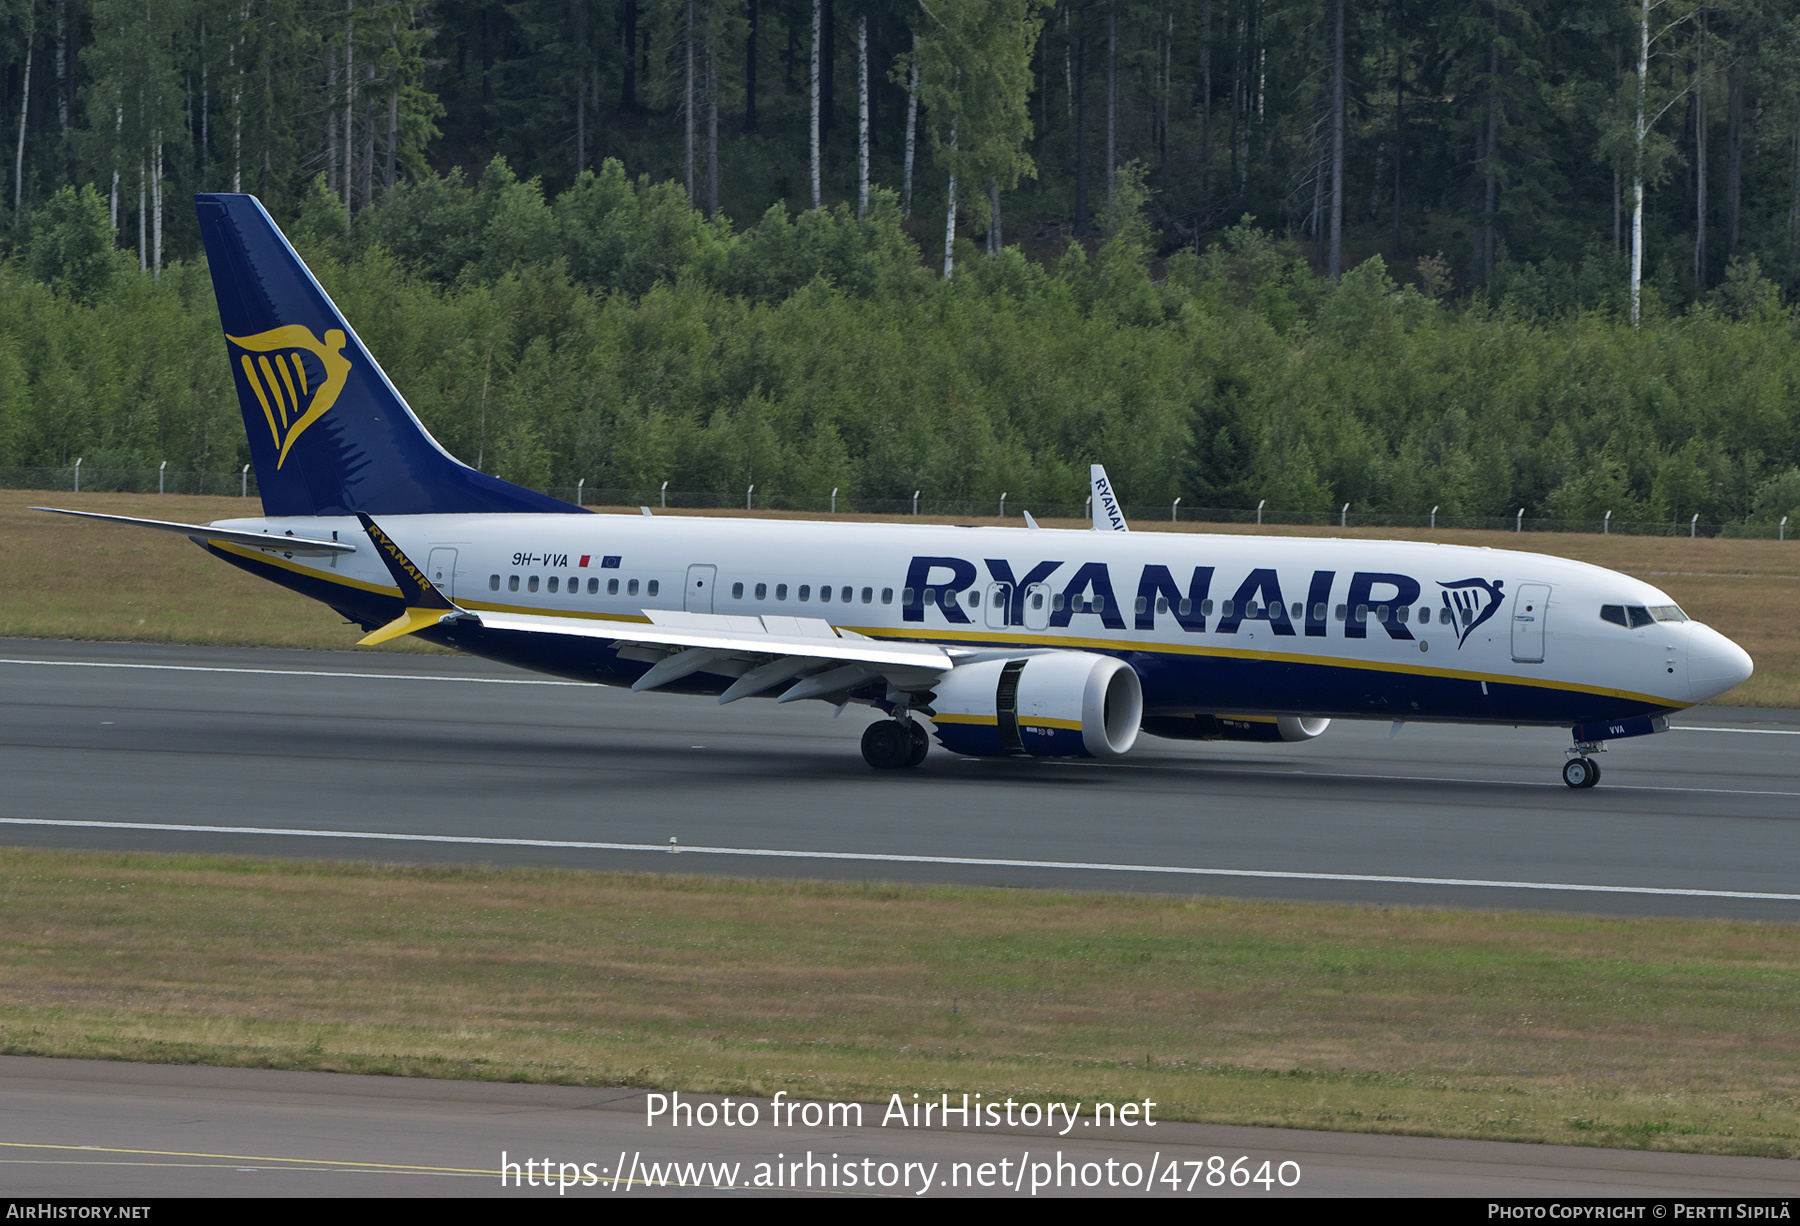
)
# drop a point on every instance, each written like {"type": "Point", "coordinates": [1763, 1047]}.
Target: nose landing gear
{"type": "Point", "coordinates": [894, 744]}
{"type": "Point", "coordinates": [1581, 771]}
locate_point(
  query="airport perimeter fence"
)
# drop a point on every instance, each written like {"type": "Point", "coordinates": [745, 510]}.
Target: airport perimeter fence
{"type": "Point", "coordinates": [88, 479]}
{"type": "Point", "coordinates": [242, 483]}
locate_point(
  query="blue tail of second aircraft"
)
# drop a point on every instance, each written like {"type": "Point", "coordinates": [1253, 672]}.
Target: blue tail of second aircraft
{"type": "Point", "coordinates": [329, 434]}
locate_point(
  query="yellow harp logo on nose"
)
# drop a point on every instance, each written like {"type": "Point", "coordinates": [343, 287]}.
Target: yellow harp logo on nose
{"type": "Point", "coordinates": [293, 392]}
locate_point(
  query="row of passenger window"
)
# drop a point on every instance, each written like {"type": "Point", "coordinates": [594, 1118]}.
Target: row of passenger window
{"type": "Point", "coordinates": [554, 583]}
{"type": "Point", "coordinates": [1095, 604]}
{"type": "Point", "coordinates": [845, 595]}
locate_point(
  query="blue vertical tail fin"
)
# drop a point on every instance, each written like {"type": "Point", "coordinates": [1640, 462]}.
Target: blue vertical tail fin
{"type": "Point", "coordinates": [329, 434]}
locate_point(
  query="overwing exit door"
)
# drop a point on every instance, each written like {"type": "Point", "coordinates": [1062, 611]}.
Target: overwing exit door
{"type": "Point", "coordinates": [699, 598]}
{"type": "Point", "coordinates": [1529, 609]}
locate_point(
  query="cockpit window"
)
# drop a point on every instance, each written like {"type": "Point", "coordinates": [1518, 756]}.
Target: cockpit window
{"type": "Point", "coordinates": [1634, 616]}
{"type": "Point", "coordinates": [1667, 613]}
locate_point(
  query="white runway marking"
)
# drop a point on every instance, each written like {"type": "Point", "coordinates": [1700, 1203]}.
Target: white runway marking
{"type": "Point", "coordinates": [888, 858]}
{"type": "Point", "coordinates": [289, 672]}
{"type": "Point", "coordinates": [1757, 731]}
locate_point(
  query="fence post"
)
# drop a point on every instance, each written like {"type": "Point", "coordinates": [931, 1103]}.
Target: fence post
{"type": "Point", "coordinates": [578, 486]}
{"type": "Point", "coordinates": [1259, 507]}
{"type": "Point", "coordinates": [159, 476]}
{"type": "Point", "coordinates": [1174, 510]}
{"type": "Point", "coordinates": [244, 482]}
{"type": "Point", "coordinates": [1519, 521]}
{"type": "Point", "coordinates": [748, 495]}
{"type": "Point", "coordinates": [1434, 519]}
{"type": "Point", "coordinates": [78, 474]}
{"type": "Point", "coordinates": [1781, 530]}
{"type": "Point", "coordinates": [1606, 525]}
{"type": "Point", "coordinates": [665, 495]}
{"type": "Point", "coordinates": [1002, 504]}
{"type": "Point", "coordinates": [1344, 516]}
{"type": "Point", "coordinates": [834, 490]}
{"type": "Point", "coordinates": [915, 502]}
{"type": "Point", "coordinates": [1693, 525]}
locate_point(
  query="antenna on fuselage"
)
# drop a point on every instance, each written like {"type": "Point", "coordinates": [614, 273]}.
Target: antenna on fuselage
{"type": "Point", "coordinates": [1109, 516]}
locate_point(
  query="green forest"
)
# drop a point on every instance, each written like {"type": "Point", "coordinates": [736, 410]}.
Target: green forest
{"type": "Point", "coordinates": [1481, 257]}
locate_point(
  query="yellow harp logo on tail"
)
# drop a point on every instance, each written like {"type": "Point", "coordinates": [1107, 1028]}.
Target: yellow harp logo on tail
{"type": "Point", "coordinates": [293, 392]}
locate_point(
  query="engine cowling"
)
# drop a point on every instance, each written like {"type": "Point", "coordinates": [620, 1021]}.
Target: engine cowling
{"type": "Point", "coordinates": [1060, 704]}
{"type": "Point", "coordinates": [1264, 728]}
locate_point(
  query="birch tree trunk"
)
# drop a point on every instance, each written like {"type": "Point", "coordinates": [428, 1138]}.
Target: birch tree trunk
{"type": "Point", "coordinates": [862, 117]}
{"type": "Point", "coordinates": [1112, 94]}
{"type": "Point", "coordinates": [237, 115]}
{"type": "Point", "coordinates": [750, 70]}
{"type": "Point", "coordinates": [712, 133]}
{"type": "Point", "coordinates": [950, 214]}
{"type": "Point", "coordinates": [580, 89]}
{"type": "Point", "coordinates": [1081, 131]}
{"type": "Point", "coordinates": [62, 60]}
{"type": "Point", "coordinates": [156, 208]}
{"type": "Point", "coordinates": [24, 111]}
{"type": "Point", "coordinates": [1637, 165]}
{"type": "Point", "coordinates": [349, 101]}
{"type": "Point", "coordinates": [1337, 149]}
{"type": "Point", "coordinates": [818, 24]}
{"type": "Point", "coordinates": [912, 127]}
{"type": "Point", "coordinates": [1206, 92]}
{"type": "Point", "coordinates": [143, 246]}
{"type": "Point", "coordinates": [1734, 157]}
{"type": "Point", "coordinates": [687, 105]}
{"type": "Point", "coordinates": [118, 126]}
{"type": "Point", "coordinates": [1493, 147]}
{"type": "Point", "coordinates": [331, 120]}
{"type": "Point", "coordinates": [1700, 188]}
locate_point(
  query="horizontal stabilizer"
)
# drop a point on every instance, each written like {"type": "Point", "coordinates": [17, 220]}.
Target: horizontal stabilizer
{"type": "Point", "coordinates": [297, 545]}
{"type": "Point", "coordinates": [406, 623]}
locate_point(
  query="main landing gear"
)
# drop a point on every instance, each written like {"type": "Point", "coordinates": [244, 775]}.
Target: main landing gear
{"type": "Point", "coordinates": [893, 744]}
{"type": "Point", "coordinates": [1581, 771]}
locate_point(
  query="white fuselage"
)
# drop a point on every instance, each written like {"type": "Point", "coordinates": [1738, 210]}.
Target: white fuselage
{"type": "Point", "coordinates": [1213, 623]}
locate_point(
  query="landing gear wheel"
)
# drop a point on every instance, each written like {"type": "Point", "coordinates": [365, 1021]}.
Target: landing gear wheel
{"type": "Point", "coordinates": [1581, 772]}
{"type": "Point", "coordinates": [886, 745]}
{"type": "Point", "coordinates": [921, 744]}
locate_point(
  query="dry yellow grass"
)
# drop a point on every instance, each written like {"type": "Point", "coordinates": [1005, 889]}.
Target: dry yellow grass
{"type": "Point", "coordinates": [60, 578]}
{"type": "Point", "coordinates": [1658, 1033]}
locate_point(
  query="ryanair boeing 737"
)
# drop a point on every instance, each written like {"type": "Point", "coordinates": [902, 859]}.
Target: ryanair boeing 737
{"type": "Point", "coordinates": [1021, 642]}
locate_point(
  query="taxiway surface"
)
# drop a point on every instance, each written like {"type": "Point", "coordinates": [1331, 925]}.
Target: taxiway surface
{"type": "Point", "coordinates": [102, 1129]}
{"type": "Point", "coordinates": [433, 758]}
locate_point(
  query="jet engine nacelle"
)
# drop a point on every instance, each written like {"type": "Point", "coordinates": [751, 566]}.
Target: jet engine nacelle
{"type": "Point", "coordinates": [1264, 728]}
{"type": "Point", "coordinates": [1060, 704]}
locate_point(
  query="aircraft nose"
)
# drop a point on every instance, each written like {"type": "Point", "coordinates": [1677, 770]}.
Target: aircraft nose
{"type": "Point", "coordinates": [1715, 663]}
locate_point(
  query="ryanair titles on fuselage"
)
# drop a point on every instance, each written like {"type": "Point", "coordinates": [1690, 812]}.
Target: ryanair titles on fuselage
{"type": "Point", "coordinates": [1362, 597]}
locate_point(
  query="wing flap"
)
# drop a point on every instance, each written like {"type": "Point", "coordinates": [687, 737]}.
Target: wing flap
{"type": "Point", "coordinates": [733, 639]}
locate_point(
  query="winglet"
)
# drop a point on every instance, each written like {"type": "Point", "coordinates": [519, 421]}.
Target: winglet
{"type": "Point", "coordinates": [425, 605]}
{"type": "Point", "coordinates": [1030, 522]}
{"type": "Point", "coordinates": [1108, 515]}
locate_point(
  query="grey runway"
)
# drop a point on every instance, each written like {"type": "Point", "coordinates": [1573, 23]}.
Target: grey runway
{"type": "Point", "coordinates": [432, 758]}
{"type": "Point", "coordinates": [98, 1129]}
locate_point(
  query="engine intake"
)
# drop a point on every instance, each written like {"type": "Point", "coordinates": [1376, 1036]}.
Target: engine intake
{"type": "Point", "coordinates": [1062, 704]}
{"type": "Point", "coordinates": [1264, 728]}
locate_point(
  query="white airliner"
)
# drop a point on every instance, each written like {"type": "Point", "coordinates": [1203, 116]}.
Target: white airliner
{"type": "Point", "coordinates": [1022, 642]}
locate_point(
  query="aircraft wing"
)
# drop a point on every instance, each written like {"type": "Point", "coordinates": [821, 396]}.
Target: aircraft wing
{"type": "Point", "coordinates": [297, 545]}
{"type": "Point", "coordinates": [761, 652]}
